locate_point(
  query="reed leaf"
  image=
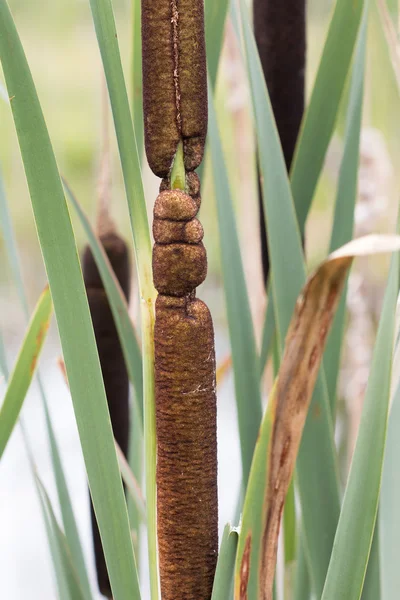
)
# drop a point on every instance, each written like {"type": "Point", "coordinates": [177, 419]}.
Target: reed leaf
{"type": "Point", "coordinates": [317, 469]}
{"type": "Point", "coordinates": [215, 17]}
{"type": "Point", "coordinates": [244, 357]}
{"type": "Point", "coordinates": [223, 580]}
{"type": "Point", "coordinates": [346, 196]}
{"type": "Point", "coordinates": [324, 104]}
{"type": "Point", "coordinates": [60, 547]}
{"type": "Point", "coordinates": [389, 505]}
{"type": "Point", "coordinates": [108, 43]}
{"type": "Point", "coordinates": [118, 304]}
{"type": "Point", "coordinates": [68, 517]}
{"type": "Point", "coordinates": [353, 538]}
{"type": "Point", "coordinates": [72, 312]}
{"type": "Point", "coordinates": [25, 367]}
{"type": "Point", "coordinates": [137, 99]}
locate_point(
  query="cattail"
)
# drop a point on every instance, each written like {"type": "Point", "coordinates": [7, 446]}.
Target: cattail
{"type": "Point", "coordinates": [175, 112]}
{"type": "Point", "coordinates": [112, 362]}
{"type": "Point", "coordinates": [280, 32]}
{"type": "Point", "coordinates": [187, 498]}
{"type": "Point", "coordinates": [174, 82]}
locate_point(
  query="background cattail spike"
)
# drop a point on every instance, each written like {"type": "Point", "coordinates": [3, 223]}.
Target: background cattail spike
{"type": "Point", "coordinates": [280, 32]}
{"type": "Point", "coordinates": [112, 362]}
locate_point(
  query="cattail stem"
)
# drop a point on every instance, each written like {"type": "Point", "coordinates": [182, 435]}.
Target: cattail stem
{"type": "Point", "coordinates": [280, 32]}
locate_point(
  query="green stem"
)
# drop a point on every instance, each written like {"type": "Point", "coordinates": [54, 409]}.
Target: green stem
{"type": "Point", "coordinates": [178, 173]}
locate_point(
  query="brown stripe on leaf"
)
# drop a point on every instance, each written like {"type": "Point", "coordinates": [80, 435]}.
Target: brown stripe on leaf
{"type": "Point", "coordinates": [290, 399]}
{"type": "Point", "coordinates": [112, 363]}
{"type": "Point", "coordinates": [305, 343]}
{"type": "Point", "coordinates": [186, 448]}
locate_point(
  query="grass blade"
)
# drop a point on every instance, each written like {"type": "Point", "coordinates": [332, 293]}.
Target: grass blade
{"type": "Point", "coordinates": [214, 16]}
{"type": "Point", "coordinates": [11, 246]}
{"type": "Point", "coordinates": [390, 501]}
{"type": "Point", "coordinates": [353, 538]}
{"type": "Point", "coordinates": [69, 522]}
{"type": "Point", "coordinates": [372, 583]}
{"type": "Point", "coordinates": [268, 333]}
{"type": "Point", "coordinates": [244, 357]}
{"type": "Point", "coordinates": [317, 469]}
{"type": "Point", "coordinates": [60, 546]}
{"type": "Point", "coordinates": [131, 483]}
{"type": "Point", "coordinates": [324, 104]}
{"type": "Point", "coordinates": [107, 39]}
{"type": "Point", "coordinates": [223, 580]}
{"type": "Point", "coordinates": [137, 99]}
{"type": "Point", "coordinates": [72, 312]}
{"type": "Point", "coordinates": [343, 223]}
{"type": "Point", "coordinates": [24, 368]}
{"type": "Point", "coordinates": [118, 304]}
{"type": "Point", "coordinates": [277, 446]}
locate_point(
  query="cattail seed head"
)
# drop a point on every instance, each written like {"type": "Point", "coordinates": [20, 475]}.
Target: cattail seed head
{"type": "Point", "coordinates": [186, 448]}
{"type": "Point", "coordinates": [115, 376]}
{"type": "Point", "coordinates": [174, 82]}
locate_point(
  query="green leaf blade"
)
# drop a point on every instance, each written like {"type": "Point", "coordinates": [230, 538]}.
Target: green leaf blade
{"type": "Point", "coordinates": [324, 104]}
{"type": "Point", "coordinates": [244, 357]}
{"type": "Point", "coordinates": [317, 468]}
{"type": "Point", "coordinates": [353, 538]}
{"type": "Point", "coordinates": [72, 312]}
{"type": "Point", "coordinates": [24, 368]}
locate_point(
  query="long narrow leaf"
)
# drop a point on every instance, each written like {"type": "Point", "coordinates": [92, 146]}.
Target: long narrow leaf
{"type": "Point", "coordinates": [137, 99]}
{"type": "Point", "coordinates": [118, 304]}
{"type": "Point", "coordinates": [390, 501]}
{"type": "Point", "coordinates": [278, 443]}
{"type": "Point", "coordinates": [103, 18]}
{"type": "Point", "coordinates": [60, 547]}
{"type": "Point", "coordinates": [244, 357]}
{"type": "Point", "coordinates": [223, 580]}
{"type": "Point", "coordinates": [343, 222]}
{"type": "Point", "coordinates": [72, 311]}
{"type": "Point", "coordinates": [324, 104]}
{"type": "Point", "coordinates": [68, 517]}
{"type": "Point", "coordinates": [317, 469]}
{"type": "Point", "coordinates": [24, 368]}
{"type": "Point", "coordinates": [214, 16]}
{"type": "Point", "coordinates": [357, 518]}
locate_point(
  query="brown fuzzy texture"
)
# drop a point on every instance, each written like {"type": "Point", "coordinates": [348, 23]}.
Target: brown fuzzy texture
{"type": "Point", "coordinates": [187, 499]}
{"type": "Point", "coordinates": [168, 232]}
{"type": "Point", "coordinates": [192, 80]}
{"type": "Point", "coordinates": [280, 32]}
{"type": "Point", "coordinates": [178, 268]}
{"type": "Point", "coordinates": [118, 255]}
{"type": "Point", "coordinates": [162, 133]}
{"type": "Point", "coordinates": [174, 82]}
{"type": "Point", "coordinates": [112, 363]}
{"type": "Point", "coordinates": [175, 205]}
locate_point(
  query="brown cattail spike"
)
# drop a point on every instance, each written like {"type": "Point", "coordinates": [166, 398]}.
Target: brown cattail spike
{"type": "Point", "coordinates": [174, 82]}
{"type": "Point", "coordinates": [112, 362]}
{"type": "Point", "coordinates": [280, 32]}
{"type": "Point", "coordinates": [186, 448]}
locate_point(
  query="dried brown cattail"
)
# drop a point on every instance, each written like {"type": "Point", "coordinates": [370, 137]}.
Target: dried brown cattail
{"type": "Point", "coordinates": [112, 362]}
{"type": "Point", "coordinates": [280, 31]}
{"type": "Point", "coordinates": [185, 401]}
{"type": "Point", "coordinates": [186, 448]}
{"type": "Point", "coordinates": [174, 82]}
